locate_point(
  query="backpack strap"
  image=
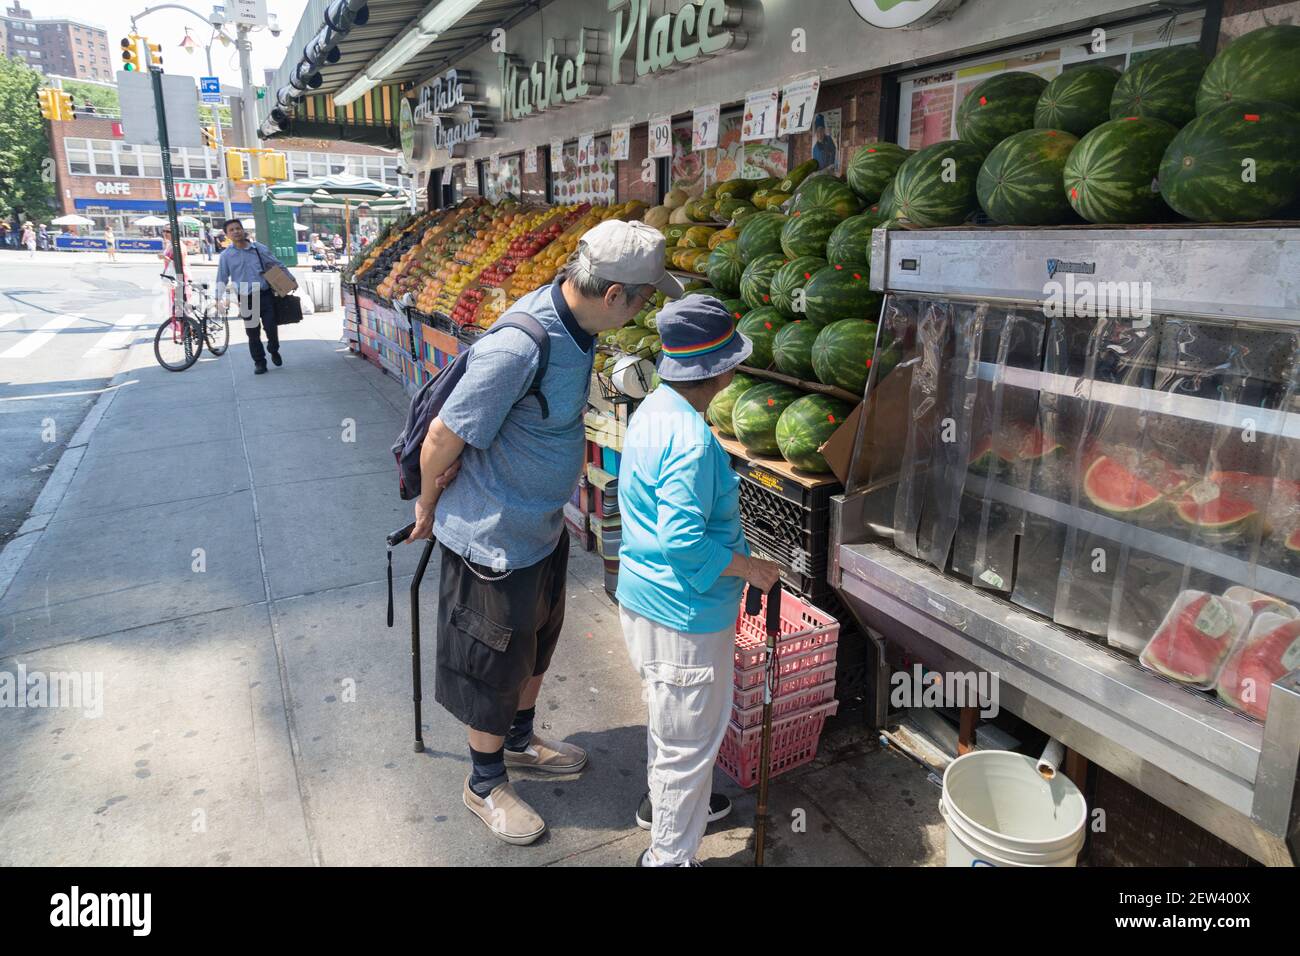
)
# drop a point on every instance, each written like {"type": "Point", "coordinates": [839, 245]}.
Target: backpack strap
{"type": "Point", "coordinates": [534, 330]}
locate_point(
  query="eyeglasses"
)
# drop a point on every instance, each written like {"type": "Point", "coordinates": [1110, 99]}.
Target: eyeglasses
{"type": "Point", "coordinates": [643, 299]}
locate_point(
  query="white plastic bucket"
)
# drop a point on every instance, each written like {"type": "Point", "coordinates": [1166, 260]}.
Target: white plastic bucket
{"type": "Point", "coordinates": [1001, 812]}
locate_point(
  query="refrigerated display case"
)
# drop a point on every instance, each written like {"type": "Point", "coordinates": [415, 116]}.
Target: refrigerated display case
{"type": "Point", "coordinates": [1078, 466]}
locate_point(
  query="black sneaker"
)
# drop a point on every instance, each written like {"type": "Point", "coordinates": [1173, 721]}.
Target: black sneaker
{"type": "Point", "coordinates": [275, 357]}
{"type": "Point", "coordinates": [719, 807]}
{"type": "Point", "coordinates": [259, 368]}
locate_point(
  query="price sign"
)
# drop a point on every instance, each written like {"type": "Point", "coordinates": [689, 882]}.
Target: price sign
{"type": "Point", "coordinates": [494, 162]}
{"type": "Point", "coordinates": [586, 149]}
{"type": "Point", "coordinates": [530, 159]}
{"type": "Point", "coordinates": [619, 139]}
{"type": "Point", "coordinates": [557, 155]}
{"type": "Point", "coordinates": [760, 115]}
{"type": "Point", "coordinates": [661, 136]}
{"type": "Point", "coordinates": [704, 128]}
{"type": "Point", "coordinates": [798, 105]}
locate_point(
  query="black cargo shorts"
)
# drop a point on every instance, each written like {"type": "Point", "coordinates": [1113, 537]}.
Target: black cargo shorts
{"type": "Point", "coordinates": [495, 631]}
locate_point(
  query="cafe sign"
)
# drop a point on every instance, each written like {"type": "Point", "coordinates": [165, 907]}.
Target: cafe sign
{"type": "Point", "coordinates": [693, 32]}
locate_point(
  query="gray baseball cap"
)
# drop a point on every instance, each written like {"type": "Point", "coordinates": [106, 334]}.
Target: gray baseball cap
{"type": "Point", "coordinates": [628, 252]}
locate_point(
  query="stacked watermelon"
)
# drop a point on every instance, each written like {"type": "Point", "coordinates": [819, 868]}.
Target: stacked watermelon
{"type": "Point", "coordinates": [1020, 182]}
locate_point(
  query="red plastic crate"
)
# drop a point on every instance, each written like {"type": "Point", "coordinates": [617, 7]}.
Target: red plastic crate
{"type": "Point", "coordinates": [787, 666]}
{"type": "Point", "coordinates": [803, 627]}
{"type": "Point", "coordinates": [800, 700]}
{"type": "Point", "coordinates": [794, 743]}
{"type": "Point", "coordinates": [797, 681]}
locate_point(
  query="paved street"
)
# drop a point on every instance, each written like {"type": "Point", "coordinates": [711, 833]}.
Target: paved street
{"type": "Point", "coordinates": [207, 548]}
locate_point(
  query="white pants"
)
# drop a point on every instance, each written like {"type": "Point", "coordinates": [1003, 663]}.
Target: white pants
{"type": "Point", "coordinates": [687, 686]}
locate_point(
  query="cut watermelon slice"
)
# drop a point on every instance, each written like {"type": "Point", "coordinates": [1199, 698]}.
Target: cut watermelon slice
{"type": "Point", "coordinates": [1271, 650]}
{"type": "Point", "coordinates": [1112, 487]}
{"type": "Point", "coordinates": [1197, 634]}
{"type": "Point", "coordinates": [1293, 540]}
{"type": "Point", "coordinates": [1207, 505]}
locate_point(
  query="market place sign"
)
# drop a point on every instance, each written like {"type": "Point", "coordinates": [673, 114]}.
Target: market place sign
{"type": "Point", "coordinates": [556, 81]}
{"type": "Point", "coordinates": [891, 14]}
{"type": "Point", "coordinates": [442, 98]}
{"type": "Point", "coordinates": [693, 32]}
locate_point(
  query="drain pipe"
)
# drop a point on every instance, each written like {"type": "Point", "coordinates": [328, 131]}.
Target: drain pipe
{"type": "Point", "coordinates": [1053, 756]}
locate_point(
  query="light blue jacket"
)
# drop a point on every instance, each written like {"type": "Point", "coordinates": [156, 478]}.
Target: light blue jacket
{"type": "Point", "coordinates": [680, 502]}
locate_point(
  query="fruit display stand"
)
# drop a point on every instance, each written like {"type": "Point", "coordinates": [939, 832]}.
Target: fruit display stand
{"type": "Point", "coordinates": [1096, 500]}
{"type": "Point", "coordinates": [351, 319]}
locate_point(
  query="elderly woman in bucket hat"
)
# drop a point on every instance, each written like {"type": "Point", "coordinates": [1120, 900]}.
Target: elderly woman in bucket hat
{"type": "Point", "coordinates": [683, 565]}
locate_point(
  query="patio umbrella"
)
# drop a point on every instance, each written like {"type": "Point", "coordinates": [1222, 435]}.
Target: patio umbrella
{"type": "Point", "coordinates": [72, 220]}
{"type": "Point", "coordinates": [340, 191]}
{"type": "Point", "coordinates": [189, 221]}
{"type": "Point", "coordinates": [151, 221]}
{"type": "Point", "coordinates": [299, 227]}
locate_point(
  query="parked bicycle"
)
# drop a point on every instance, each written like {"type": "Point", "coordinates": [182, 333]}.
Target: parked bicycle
{"type": "Point", "coordinates": [179, 341]}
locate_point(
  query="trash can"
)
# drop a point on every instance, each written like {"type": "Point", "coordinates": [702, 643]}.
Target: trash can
{"type": "Point", "coordinates": [322, 290]}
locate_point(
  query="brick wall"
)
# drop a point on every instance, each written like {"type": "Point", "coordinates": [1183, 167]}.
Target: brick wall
{"type": "Point", "coordinates": [859, 104]}
{"type": "Point", "coordinates": [630, 185]}
{"type": "Point", "coordinates": [1242, 16]}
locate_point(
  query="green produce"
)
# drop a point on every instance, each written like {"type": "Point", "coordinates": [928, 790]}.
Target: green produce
{"type": "Point", "coordinates": [756, 413]}
{"type": "Point", "coordinates": [1020, 182]}
{"type": "Point", "coordinates": [1202, 172]}
{"type": "Point", "coordinates": [1078, 100]}
{"type": "Point", "coordinates": [697, 237]}
{"type": "Point", "coordinates": [699, 210]}
{"type": "Point", "coordinates": [760, 235]}
{"type": "Point", "coordinates": [707, 290]}
{"type": "Point", "coordinates": [824, 191]}
{"type": "Point", "coordinates": [842, 354]}
{"type": "Point", "coordinates": [884, 207]}
{"type": "Point", "coordinates": [742, 212]}
{"type": "Point", "coordinates": [1110, 176]}
{"type": "Point", "coordinates": [997, 107]}
{"type": "Point", "coordinates": [850, 242]}
{"type": "Point", "coordinates": [725, 266]}
{"type": "Point", "coordinates": [673, 233]}
{"type": "Point", "coordinates": [736, 307]}
{"type": "Point", "coordinates": [806, 233]}
{"type": "Point", "coordinates": [1162, 85]}
{"type": "Point", "coordinates": [727, 206]}
{"type": "Point", "coordinates": [838, 293]}
{"type": "Point", "coordinates": [872, 169]}
{"type": "Point", "coordinates": [805, 425]}
{"type": "Point", "coordinates": [756, 280]}
{"type": "Point", "coordinates": [930, 191]}
{"type": "Point", "coordinates": [720, 409]}
{"type": "Point", "coordinates": [791, 277]}
{"type": "Point", "coordinates": [1263, 64]}
{"type": "Point", "coordinates": [792, 349]}
{"type": "Point", "coordinates": [796, 176]}
{"type": "Point", "coordinates": [760, 326]}
{"type": "Point", "coordinates": [738, 188]}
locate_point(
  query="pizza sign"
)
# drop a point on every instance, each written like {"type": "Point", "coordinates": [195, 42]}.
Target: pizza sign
{"type": "Point", "coordinates": [891, 14]}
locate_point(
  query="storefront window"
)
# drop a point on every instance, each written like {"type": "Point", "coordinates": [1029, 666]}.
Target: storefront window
{"type": "Point", "coordinates": [78, 157]}
{"type": "Point", "coordinates": [101, 154]}
{"type": "Point", "coordinates": [927, 110]}
{"type": "Point", "coordinates": [694, 171]}
{"type": "Point", "coordinates": [151, 162]}
{"type": "Point", "coordinates": [298, 165]}
{"type": "Point", "coordinates": [508, 179]}
{"type": "Point", "coordinates": [319, 164]}
{"type": "Point", "coordinates": [128, 160]}
{"type": "Point", "coordinates": [595, 183]}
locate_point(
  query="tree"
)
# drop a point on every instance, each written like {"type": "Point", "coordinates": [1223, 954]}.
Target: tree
{"type": "Point", "coordinates": [26, 168]}
{"type": "Point", "coordinates": [92, 94]}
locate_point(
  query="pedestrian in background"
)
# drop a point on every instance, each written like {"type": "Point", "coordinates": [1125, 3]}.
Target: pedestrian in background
{"type": "Point", "coordinates": [43, 239]}
{"type": "Point", "coordinates": [110, 244]}
{"type": "Point", "coordinates": [29, 239]}
{"type": "Point", "coordinates": [244, 263]}
{"type": "Point", "coordinates": [683, 564]}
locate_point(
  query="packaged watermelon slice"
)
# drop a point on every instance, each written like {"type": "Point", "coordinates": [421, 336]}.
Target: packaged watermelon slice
{"type": "Point", "coordinates": [1259, 602]}
{"type": "Point", "coordinates": [1195, 638]}
{"type": "Point", "coordinates": [1270, 650]}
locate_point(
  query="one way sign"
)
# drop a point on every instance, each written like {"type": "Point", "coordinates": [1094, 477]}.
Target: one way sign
{"type": "Point", "coordinates": [210, 89]}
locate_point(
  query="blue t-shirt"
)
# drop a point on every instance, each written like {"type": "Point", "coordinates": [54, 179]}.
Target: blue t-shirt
{"type": "Point", "coordinates": [680, 501]}
{"type": "Point", "coordinates": [505, 507]}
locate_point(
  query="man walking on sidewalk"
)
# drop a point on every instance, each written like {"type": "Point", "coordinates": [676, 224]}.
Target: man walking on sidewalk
{"type": "Point", "coordinates": [244, 262]}
{"type": "Point", "coordinates": [504, 550]}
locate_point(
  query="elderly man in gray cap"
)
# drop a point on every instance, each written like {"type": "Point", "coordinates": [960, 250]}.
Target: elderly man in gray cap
{"type": "Point", "coordinates": [500, 526]}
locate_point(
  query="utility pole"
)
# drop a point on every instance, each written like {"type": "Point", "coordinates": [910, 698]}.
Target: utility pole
{"type": "Point", "coordinates": [245, 45]}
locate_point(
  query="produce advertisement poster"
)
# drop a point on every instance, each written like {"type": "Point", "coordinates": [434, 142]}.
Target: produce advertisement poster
{"type": "Point", "coordinates": [557, 155]}
{"type": "Point", "coordinates": [798, 104]}
{"type": "Point", "coordinates": [760, 115]}
{"type": "Point", "coordinates": [505, 178]}
{"type": "Point", "coordinates": [586, 149]}
{"type": "Point", "coordinates": [693, 172]}
{"type": "Point", "coordinates": [662, 142]}
{"type": "Point", "coordinates": [595, 184]}
{"type": "Point", "coordinates": [530, 159]}
{"type": "Point", "coordinates": [826, 141]}
{"type": "Point", "coordinates": [620, 138]}
{"type": "Point", "coordinates": [704, 127]}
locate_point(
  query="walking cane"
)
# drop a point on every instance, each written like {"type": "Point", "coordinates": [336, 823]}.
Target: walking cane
{"type": "Point", "coordinates": [394, 539]}
{"type": "Point", "coordinates": [753, 600]}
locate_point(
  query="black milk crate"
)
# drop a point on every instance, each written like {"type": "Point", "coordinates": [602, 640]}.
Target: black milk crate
{"type": "Point", "coordinates": [443, 323]}
{"type": "Point", "coordinates": [795, 538]}
{"type": "Point", "coordinates": [469, 334]}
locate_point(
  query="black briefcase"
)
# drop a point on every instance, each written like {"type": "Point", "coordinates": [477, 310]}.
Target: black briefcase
{"type": "Point", "coordinates": [288, 309]}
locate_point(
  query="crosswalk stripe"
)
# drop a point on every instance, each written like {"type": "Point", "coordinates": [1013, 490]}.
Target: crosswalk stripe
{"type": "Point", "coordinates": [30, 342]}
{"type": "Point", "coordinates": [7, 317]}
{"type": "Point", "coordinates": [124, 332]}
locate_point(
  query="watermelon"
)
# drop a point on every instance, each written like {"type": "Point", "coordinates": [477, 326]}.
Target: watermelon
{"type": "Point", "coordinates": [1202, 172]}
{"type": "Point", "coordinates": [838, 293]}
{"type": "Point", "coordinates": [1263, 64]}
{"type": "Point", "coordinates": [736, 307]}
{"type": "Point", "coordinates": [719, 410]}
{"type": "Point", "coordinates": [930, 191]}
{"type": "Point", "coordinates": [725, 266]}
{"type": "Point", "coordinates": [756, 413]}
{"type": "Point", "coordinates": [707, 290]}
{"type": "Point", "coordinates": [884, 206]}
{"type": "Point", "coordinates": [1078, 100]}
{"type": "Point", "coordinates": [1161, 85]}
{"type": "Point", "coordinates": [760, 235]}
{"type": "Point", "coordinates": [1112, 487]}
{"type": "Point", "coordinates": [1207, 505]}
{"type": "Point", "coordinates": [792, 348]}
{"type": "Point", "coordinates": [850, 243]}
{"type": "Point", "coordinates": [760, 326]}
{"type": "Point", "coordinates": [756, 280]}
{"type": "Point", "coordinates": [1190, 644]}
{"type": "Point", "coordinates": [824, 191]}
{"type": "Point", "coordinates": [1271, 650]}
{"type": "Point", "coordinates": [842, 354]}
{"type": "Point", "coordinates": [873, 167]}
{"type": "Point", "coordinates": [806, 232]}
{"type": "Point", "coordinates": [997, 107]}
{"type": "Point", "coordinates": [790, 277]}
{"type": "Point", "coordinates": [1111, 175]}
{"type": "Point", "coordinates": [805, 426]}
{"type": "Point", "coordinates": [1020, 181]}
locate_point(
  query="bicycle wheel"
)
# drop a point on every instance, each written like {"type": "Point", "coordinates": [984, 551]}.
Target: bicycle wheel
{"type": "Point", "coordinates": [177, 344]}
{"type": "Point", "coordinates": [216, 331]}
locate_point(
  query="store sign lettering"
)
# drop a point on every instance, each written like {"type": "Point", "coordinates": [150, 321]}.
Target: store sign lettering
{"type": "Point", "coordinates": [445, 95]}
{"type": "Point", "coordinates": [546, 84]}
{"type": "Point", "coordinates": [694, 31]}
{"type": "Point", "coordinates": [112, 189]}
{"type": "Point", "coordinates": [892, 14]}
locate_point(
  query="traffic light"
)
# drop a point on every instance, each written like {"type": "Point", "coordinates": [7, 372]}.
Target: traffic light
{"type": "Point", "coordinates": [131, 53]}
{"type": "Point", "coordinates": [235, 165]}
{"type": "Point", "coordinates": [49, 106]}
{"type": "Point", "coordinates": [210, 137]}
{"type": "Point", "coordinates": [272, 166]}
{"type": "Point", "coordinates": [64, 103]}
{"type": "Point", "coordinates": [155, 55]}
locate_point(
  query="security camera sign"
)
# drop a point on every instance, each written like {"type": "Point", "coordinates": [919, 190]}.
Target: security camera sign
{"type": "Point", "coordinates": [251, 13]}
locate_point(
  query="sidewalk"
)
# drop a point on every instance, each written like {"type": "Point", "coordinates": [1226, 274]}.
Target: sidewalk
{"type": "Point", "coordinates": [218, 557]}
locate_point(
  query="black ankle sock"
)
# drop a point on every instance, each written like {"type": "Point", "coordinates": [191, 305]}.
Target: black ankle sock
{"type": "Point", "coordinates": [489, 771]}
{"type": "Point", "coordinates": [520, 734]}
